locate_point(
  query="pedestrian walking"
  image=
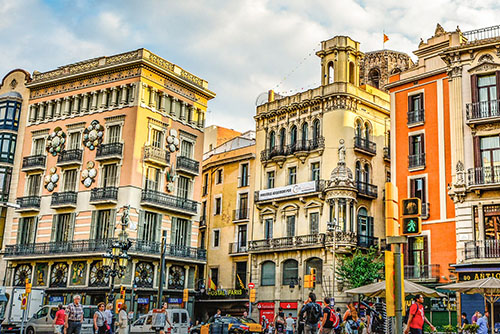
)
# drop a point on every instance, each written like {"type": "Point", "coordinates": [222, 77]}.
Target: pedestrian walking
{"type": "Point", "coordinates": [312, 313]}
{"type": "Point", "coordinates": [290, 324]}
{"type": "Point", "coordinates": [475, 317]}
{"type": "Point", "coordinates": [279, 322]}
{"type": "Point", "coordinates": [109, 317]}
{"type": "Point", "coordinates": [218, 314]}
{"type": "Point", "coordinates": [351, 319]}
{"type": "Point", "coordinates": [483, 323]}
{"type": "Point", "coordinates": [100, 326]}
{"type": "Point", "coordinates": [74, 316]}
{"type": "Point", "coordinates": [338, 330]}
{"type": "Point", "coordinates": [123, 320]}
{"type": "Point", "coordinates": [59, 319]}
{"type": "Point", "coordinates": [416, 318]}
{"type": "Point", "coordinates": [330, 320]}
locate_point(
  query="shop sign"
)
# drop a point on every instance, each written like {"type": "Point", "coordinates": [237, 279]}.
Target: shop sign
{"type": "Point", "coordinates": [174, 300]}
{"type": "Point", "coordinates": [265, 305]}
{"type": "Point", "coordinates": [226, 292]}
{"type": "Point", "coordinates": [56, 299]}
{"type": "Point", "coordinates": [293, 189]}
{"type": "Point", "coordinates": [143, 300]}
{"type": "Point", "coordinates": [470, 276]}
{"type": "Point", "coordinates": [441, 304]}
{"type": "Point", "coordinates": [288, 306]}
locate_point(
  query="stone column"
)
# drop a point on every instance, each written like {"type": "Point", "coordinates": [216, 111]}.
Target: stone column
{"type": "Point", "coordinates": [58, 108]}
{"type": "Point", "coordinates": [85, 102]}
{"type": "Point", "coordinates": [456, 118]}
{"type": "Point", "coordinates": [76, 102]}
{"type": "Point", "coordinates": [186, 276]}
{"type": "Point", "coordinates": [143, 93]}
{"type": "Point", "coordinates": [104, 101]}
{"type": "Point", "coordinates": [114, 96]}
{"type": "Point", "coordinates": [133, 87]}
{"type": "Point", "coordinates": [123, 99]}
{"type": "Point", "coordinates": [336, 205]}
{"type": "Point", "coordinates": [32, 113]}
{"type": "Point", "coordinates": [480, 216]}
{"type": "Point", "coordinates": [183, 110]}
{"type": "Point", "coordinates": [95, 96]}
{"type": "Point", "coordinates": [41, 111]}
{"type": "Point", "coordinates": [199, 114]}
{"type": "Point", "coordinates": [66, 106]}
{"type": "Point", "coordinates": [190, 113]}
{"type": "Point", "coordinates": [173, 100]}
{"type": "Point", "coordinates": [167, 272]}
{"type": "Point", "coordinates": [348, 212]}
{"type": "Point", "coordinates": [163, 102]}
{"type": "Point", "coordinates": [152, 97]}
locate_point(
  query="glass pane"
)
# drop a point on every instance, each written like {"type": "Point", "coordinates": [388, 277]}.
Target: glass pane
{"type": "Point", "coordinates": [486, 80]}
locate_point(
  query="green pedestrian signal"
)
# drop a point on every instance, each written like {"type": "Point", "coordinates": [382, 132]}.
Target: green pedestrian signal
{"type": "Point", "coordinates": [411, 222]}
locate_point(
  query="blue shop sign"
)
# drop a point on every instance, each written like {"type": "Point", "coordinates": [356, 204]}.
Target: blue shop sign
{"type": "Point", "coordinates": [56, 299]}
{"type": "Point", "coordinates": [174, 300]}
{"type": "Point", "coordinates": [142, 300]}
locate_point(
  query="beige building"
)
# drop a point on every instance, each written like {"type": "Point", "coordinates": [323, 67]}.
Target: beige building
{"type": "Point", "coordinates": [324, 157]}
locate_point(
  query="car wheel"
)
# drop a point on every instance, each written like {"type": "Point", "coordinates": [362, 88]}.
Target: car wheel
{"type": "Point", "coordinates": [30, 330]}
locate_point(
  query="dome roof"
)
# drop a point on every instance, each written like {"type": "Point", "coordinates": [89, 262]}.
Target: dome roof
{"type": "Point", "coordinates": [11, 94]}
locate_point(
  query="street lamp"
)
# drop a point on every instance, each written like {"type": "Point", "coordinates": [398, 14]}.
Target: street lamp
{"type": "Point", "coordinates": [293, 283]}
{"type": "Point", "coordinates": [115, 260]}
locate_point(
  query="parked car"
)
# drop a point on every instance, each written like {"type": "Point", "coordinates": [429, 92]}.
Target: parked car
{"type": "Point", "coordinates": [41, 322]}
{"type": "Point", "coordinates": [235, 325]}
{"type": "Point", "coordinates": [195, 329]}
{"type": "Point", "coordinates": [179, 318]}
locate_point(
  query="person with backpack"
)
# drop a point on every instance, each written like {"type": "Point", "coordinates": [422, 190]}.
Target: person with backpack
{"type": "Point", "coordinates": [416, 317]}
{"type": "Point", "coordinates": [351, 319]}
{"type": "Point", "coordinates": [330, 320]}
{"type": "Point", "coordinates": [338, 330]}
{"type": "Point", "coordinates": [279, 322]}
{"type": "Point", "coordinates": [313, 314]}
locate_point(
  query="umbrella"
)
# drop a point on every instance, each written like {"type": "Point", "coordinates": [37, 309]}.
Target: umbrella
{"type": "Point", "coordinates": [488, 287]}
{"type": "Point", "coordinates": [378, 290]}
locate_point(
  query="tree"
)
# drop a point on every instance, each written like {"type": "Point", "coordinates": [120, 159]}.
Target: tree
{"type": "Point", "coordinates": [361, 268]}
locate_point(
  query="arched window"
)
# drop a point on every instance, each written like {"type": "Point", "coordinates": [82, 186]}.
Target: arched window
{"type": "Point", "coordinates": [367, 131]}
{"type": "Point", "coordinates": [365, 229]}
{"type": "Point", "coordinates": [358, 172]}
{"type": "Point", "coordinates": [290, 272]}
{"type": "Point", "coordinates": [351, 73]}
{"type": "Point", "coordinates": [305, 130]}
{"type": "Point", "coordinates": [315, 263]}
{"type": "Point", "coordinates": [268, 274]}
{"type": "Point", "coordinates": [316, 130]}
{"type": "Point", "coordinates": [366, 173]}
{"type": "Point", "coordinates": [358, 131]}
{"type": "Point", "coordinates": [272, 140]}
{"type": "Point", "coordinates": [374, 77]}
{"type": "Point", "coordinates": [330, 73]}
{"type": "Point", "coordinates": [293, 136]}
{"type": "Point", "coordinates": [282, 138]}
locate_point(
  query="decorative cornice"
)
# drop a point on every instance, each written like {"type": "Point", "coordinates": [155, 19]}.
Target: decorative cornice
{"type": "Point", "coordinates": [112, 119]}
{"type": "Point", "coordinates": [74, 126]}
{"type": "Point", "coordinates": [40, 132]}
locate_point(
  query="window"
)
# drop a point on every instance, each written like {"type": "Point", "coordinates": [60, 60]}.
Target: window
{"type": "Point", "coordinates": [316, 130]}
{"type": "Point", "coordinates": [487, 159]}
{"type": "Point", "coordinates": [109, 175]}
{"type": "Point", "coordinates": [330, 72]}
{"type": "Point", "coordinates": [62, 231]}
{"type": "Point", "coordinates": [218, 205]}
{"type": "Point", "coordinates": [352, 73]}
{"type": "Point", "coordinates": [218, 176]}
{"type": "Point", "coordinates": [417, 151]}
{"type": "Point", "coordinates": [241, 275]}
{"type": "Point", "coordinates": [38, 146]}
{"type": "Point", "coordinates": [205, 184]}
{"type": "Point", "coordinates": [305, 129]}
{"type": "Point", "coordinates": [34, 184]}
{"type": "Point", "coordinates": [282, 138]}
{"type": "Point", "coordinates": [417, 189]}
{"type": "Point", "coordinates": [314, 223]}
{"type": "Point", "coordinates": [415, 108]}
{"type": "Point", "coordinates": [293, 136]}
{"type": "Point", "coordinates": [268, 228]}
{"type": "Point", "coordinates": [5, 176]}
{"type": "Point", "coordinates": [270, 179]}
{"type": "Point", "coordinates": [243, 206]}
{"type": "Point", "coordinates": [242, 236]}
{"type": "Point", "coordinates": [315, 171]}
{"type": "Point", "coordinates": [152, 179]}
{"type": "Point", "coordinates": [181, 232]}
{"type": "Point", "coordinates": [290, 226]}
{"type": "Point", "coordinates": [292, 175]}
{"type": "Point", "coordinates": [487, 93]}
{"type": "Point", "coordinates": [342, 211]}
{"type": "Point", "coordinates": [27, 231]}
{"type": "Point", "coordinates": [366, 174]}
{"type": "Point", "coordinates": [216, 238]}
{"type": "Point", "coordinates": [103, 225]}
{"type": "Point", "coordinates": [70, 177]}
{"type": "Point", "coordinates": [214, 276]}
{"type": "Point", "coordinates": [358, 130]}
{"type": "Point", "coordinates": [202, 239]}
{"type": "Point", "coordinates": [315, 263]}
{"type": "Point", "coordinates": [417, 254]}
{"type": "Point", "coordinates": [9, 114]}
{"type": "Point", "coordinates": [186, 149]}
{"type": "Point", "coordinates": [183, 187]}
{"type": "Point", "coordinates": [74, 140]}
{"type": "Point", "coordinates": [268, 274]}
{"type": "Point", "coordinates": [272, 140]}
{"type": "Point", "coordinates": [7, 147]}
{"type": "Point", "coordinates": [290, 272]}
{"type": "Point", "coordinates": [365, 228]}
{"type": "Point", "coordinates": [150, 227]}
{"type": "Point", "coordinates": [367, 132]}
{"type": "Point", "coordinates": [203, 211]}
{"type": "Point", "coordinates": [156, 139]}
{"type": "Point", "coordinates": [114, 134]}
{"type": "Point", "coordinates": [244, 175]}
{"type": "Point", "coordinates": [374, 77]}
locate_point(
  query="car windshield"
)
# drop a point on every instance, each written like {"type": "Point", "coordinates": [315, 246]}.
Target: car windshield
{"type": "Point", "coordinates": [248, 320]}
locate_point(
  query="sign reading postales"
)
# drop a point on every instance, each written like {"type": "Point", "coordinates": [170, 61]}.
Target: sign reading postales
{"type": "Point", "coordinates": [470, 276]}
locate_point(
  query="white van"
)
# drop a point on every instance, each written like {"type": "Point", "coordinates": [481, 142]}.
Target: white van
{"type": "Point", "coordinates": [41, 322]}
{"type": "Point", "coordinates": [179, 318]}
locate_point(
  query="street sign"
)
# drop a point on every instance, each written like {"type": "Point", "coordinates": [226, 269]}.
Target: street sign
{"type": "Point", "coordinates": [24, 302]}
{"type": "Point", "coordinates": [119, 303]}
{"type": "Point", "coordinates": [251, 285]}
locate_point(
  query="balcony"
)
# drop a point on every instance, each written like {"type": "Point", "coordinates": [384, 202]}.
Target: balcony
{"type": "Point", "coordinates": [302, 146]}
{"type": "Point", "coordinates": [109, 151]}
{"type": "Point", "coordinates": [310, 188]}
{"type": "Point", "coordinates": [482, 33]}
{"type": "Point", "coordinates": [65, 199]}
{"type": "Point", "coordinates": [365, 146]}
{"type": "Point", "coordinates": [416, 117]}
{"type": "Point", "coordinates": [236, 248]}
{"type": "Point", "coordinates": [168, 202]}
{"type": "Point", "coordinates": [104, 195]}
{"type": "Point", "coordinates": [416, 161]}
{"type": "Point", "coordinates": [70, 157]}
{"type": "Point", "coordinates": [367, 241]}
{"type": "Point", "coordinates": [482, 249]}
{"type": "Point", "coordinates": [34, 162]}
{"type": "Point", "coordinates": [367, 190]}
{"type": "Point", "coordinates": [156, 156]}
{"type": "Point", "coordinates": [241, 214]}
{"type": "Point", "coordinates": [387, 153]}
{"type": "Point", "coordinates": [188, 165]}
{"type": "Point", "coordinates": [286, 243]}
{"type": "Point", "coordinates": [203, 221]}
{"type": "Point", "coordinates": [29, 203]}
{"type": "Point", "coordinates": [483, 112]}
{"type": "Point", "coordinates": [422, 273]}
{"type": "Point", "coordinates": [151, 248]}
{"type": "Point", "coordinates": [483, 177]}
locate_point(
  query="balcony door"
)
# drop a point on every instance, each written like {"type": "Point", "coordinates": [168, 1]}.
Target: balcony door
{"type": "Point", "coordinates": [365, 228]}
{"type": "Point", "coordinates": [241, 275]}
{"type": "Point", "coordinates": [243, 206]}
{"type": "Point", "coordinates": [152, 178]}
{"type": "Point", "coordinates": [491, 222]}
{"type": "Point", "coordinates": [488, 166]}
{"type": "Point", "coordinates": [34, 184]}
{"type": "Point", "coordinates": [109, 173]}
{"type": "Point", "coordinates": [27, 230]}
{"type": "Point", "coordinates": [183, 187]}
{"type": "Point", "coordinates": [417, 255]}
{"type": "Point", "coordinates": [417, 189]}
{"type": "Point", "coordinates": [103, 224]}
{"type": "Point", "coordinates": [149, 229]}
{"type": "Point", "coordinates": [487, 94]}
{"type": "Point", "coordinates": [242, 237]}
{"type": "Point", "coordinates": [181, 232]}
{"type": "Point", "coordinates": [62, 227]}
{"type": "Point", "coordinates": [186, 149]}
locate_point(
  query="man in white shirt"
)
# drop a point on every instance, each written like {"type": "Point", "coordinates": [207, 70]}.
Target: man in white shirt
{"type": "Point", "coordinates": [290, 324]}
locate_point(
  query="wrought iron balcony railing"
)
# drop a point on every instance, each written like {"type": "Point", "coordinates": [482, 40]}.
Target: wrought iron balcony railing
{"type": "Point", "coordinates": [479, 176]}
{"type": "Point", "coordinates": [188, 164]}
{"type": "Point", "coordinates": [367, 189]}
{"type": "Point", "coordinates": [29, 202]}
{"type": "Point", "coordinates": [416, 116]}
{"type": "Point", "coordinates": [67, 198]}
{"type": "Point", "coordinates": [416, 160]}
{"type": "Point", "coordinates": [483, 111]}
{"type": "Point", "coordinates": [482, 249]}
{"type": "Point", "coordinates": [155, 154]}
{"type": "Point", "coordinates": [387, 153]}
{"type": "Point", "coordinates": [482, 33]}
{"type": "Point", "coordinates": [241, 214]}
{"type": "Point", "coordinates": [237, 248]}
{"type": "Point", "coordinates": [109, 150]}
{"type": "Point", "coordinates": [163, 200]}
{"type": "Point", "coordinates": [106, 194]}
{"type": "Point", "coordinates": [367, 241]}
{"type": "Point", "coordinates": [426, 272]}
{"type": "Point", "coordinates": [34, 162]}
{"type": "Point", "coordinates": [301, 241]}
{"type": "Point", "coordinates": [299, 146]}
{"type": "Point", "coordinates": [365, 145]}
{"type": "Point", "coordinates": [70, 156]}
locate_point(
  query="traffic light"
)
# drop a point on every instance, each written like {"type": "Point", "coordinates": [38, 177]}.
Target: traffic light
{"type": "Point", "coordinates": [253, 295]}
{"type": "Point", "coordinates": [185, 295]}
{"type": "Point", "coordinates": [122, 292]}
{"type": "Point", "coordinates": [411, 221]}
{"type": "Point", "coordinates": [313, 277]}
{"type": "Point", "coordinates": [308, 281]}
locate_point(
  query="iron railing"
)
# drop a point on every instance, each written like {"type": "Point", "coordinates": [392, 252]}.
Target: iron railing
{"type": "Point", "coordinates": [29, 202]}
{"type": "Point", "coordinates": [104, 194]}
{"type": "Point", "coordinates": [416, 116]}
{"type": "Point", "coordinates": [365, 144]}
{"type": "Point", "coordinates": [483, 175]}
{"type": "Point", "coordinates": [237, 248]}
{"type": "Point", "coordinates": [158, 154]}
{"type": "Point", "coordinates": [367, 241]}
{"type": "Point", "coordinates": [367, 189]}
{"type": "Point", "coordinates": [299, 146]}
{"type": "Point", "coordinates": [241, 214]}
{"type": "Point", "coordinates": [482, 249]}
{"type": "Point", "coordinates": [426, 272]}
{"type": "Point", "coordinates": [314, 240]}
{"type": "Point", "coordinates": [64, 198]}
{"type": "Point", "coordinates": [74, 155]}
{"type": "Point", "coordinates": [169, 201]}
{"type": "Point", "coordinates": [34, 161]}
{"type": "Point", "coordinates": [416, 160]}
{"type": "Point", "coordinates": [188, 164]}
{"type": "Point", "coordinates": [483, 33]}
{"type": "Point", "coordinates": [482, 110]}
{"type": "Point", "coordinates": [387, 153]}
{"type": "Point", "coordinates": [342, 238]}
{"type": "Point", "coordinates": [109, 150]}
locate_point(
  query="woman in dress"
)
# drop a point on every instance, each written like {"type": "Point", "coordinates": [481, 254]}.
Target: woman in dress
{"type": "Point", "coordinates": [123, 320]}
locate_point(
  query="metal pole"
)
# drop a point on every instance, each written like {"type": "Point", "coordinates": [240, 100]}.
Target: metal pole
{"type": "Point", "coordinates": [131, 307]}
{"type": "Point", "coordinates": [397, 287]}
{"type": "Point", "coordinates": [162, 272]}
{"type": "Point", "coordinates": [249, 305]}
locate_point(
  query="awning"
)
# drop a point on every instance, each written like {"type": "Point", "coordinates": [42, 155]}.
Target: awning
{"type": "Point", "coordinates": [3, 297]}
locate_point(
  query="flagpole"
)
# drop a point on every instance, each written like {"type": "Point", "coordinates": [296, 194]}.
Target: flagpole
{"type": "Point", "coordinates": [383, 39]}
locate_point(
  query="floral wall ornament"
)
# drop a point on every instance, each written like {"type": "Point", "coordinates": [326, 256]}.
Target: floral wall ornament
{"type": "Point", "coordinates": [172, 141]}
{"type": "Point", "coordinates": [171, 177]}
{"type": "Point", "coordinates": [89, 174]}
{"type": "Point", "coordinates": [92, 135]}
{"type": "Point", "coordinates": [51, 180]}
{"type": "Point", "coordinates": [56, 141]}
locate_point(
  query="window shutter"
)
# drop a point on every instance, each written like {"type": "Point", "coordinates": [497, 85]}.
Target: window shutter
{"type": "Point", "coordinates": [473, 87]}
{"type": "Point", "coordinates": [173, 233]}
{"type": "Point", "coordinates": [140, 225]}
{"type": "Point", "coordinates": [20, 228]}
{"type": "Point", "coordinates": [410, 106]}
{"type": "Point", "coordinates": [412, 187]}
{"type": "Point", "coordinates": [497, 73]}
{"type": "Point", "coordinates": [370, 226]}
{"type": "Point", "coordinates": [72, 222]}
{"type": "Point", "coordinates": [188, 233]}
{"type": "Point", "coordinates": [422, 143]}
{"type": "Point", "coordinates": [54, 228]}
{"type": "Point", "coordinates": [112, 223]}
{"type": "Point", "coordinates": [477, 151]}
{"type": "Point", "coordinates": [426, 250]}
{"type": "Point", "coordinates": [93, 224]}
{"type": "Point", "coordinates": [35, 229]}
{"type": "Point", "coordinates": [424, 199]}
{"type": "Point", "coordinates": [159, 220]}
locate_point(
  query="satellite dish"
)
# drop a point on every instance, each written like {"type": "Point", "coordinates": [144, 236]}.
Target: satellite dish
{"type": "Point", "coordinates": [261, 99]}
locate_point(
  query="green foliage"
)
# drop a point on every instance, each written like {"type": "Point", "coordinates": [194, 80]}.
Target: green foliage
{"type": "Point", "coordinates": [449, 329]}
{"type": "Point", "coordinates": [470, 329]}
{"type": "Point", "coordinates": [361, 268]}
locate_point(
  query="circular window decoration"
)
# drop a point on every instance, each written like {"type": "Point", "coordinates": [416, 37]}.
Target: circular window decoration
{"type": "Point", "coordinates": [176, 278]}
{"type": "Point", "coordinates": [59, 276]}
{"type": "Point", "coordinates": [51, 179]}
{"type": "Point", "coordinates": [144, 274]}
{"type": "Point", "coordinates": [172, 141]}
{"type": "Point", "coordinates": [92, 135]}
{"type": "Point", "coordinates": [22, 273]}
{"type": "Point", "coordinates": [56, 141]}
{"type": "Point", "coordinates": [89, 174]}
{"type": "Point", "coordinates": [98, 275]}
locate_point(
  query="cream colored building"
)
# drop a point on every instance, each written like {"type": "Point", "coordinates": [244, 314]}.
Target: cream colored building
{"type": "Point", "coordinates": [324, 157]}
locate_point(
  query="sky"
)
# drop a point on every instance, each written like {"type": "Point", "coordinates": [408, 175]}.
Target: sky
{"type": "Point", "coordinates": [242, 48]}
